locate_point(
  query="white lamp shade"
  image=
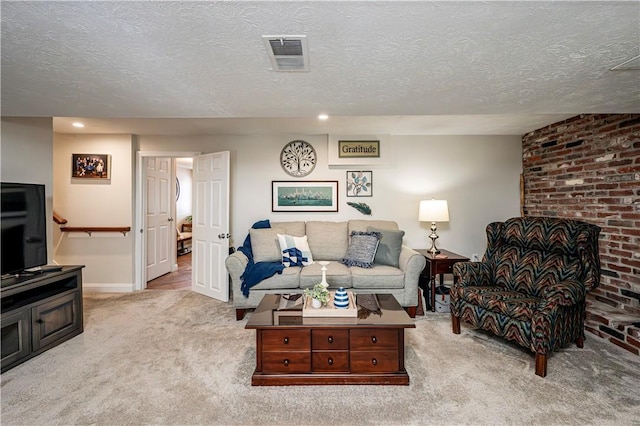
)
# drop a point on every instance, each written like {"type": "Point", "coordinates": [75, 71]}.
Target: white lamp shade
{"type": "Point", "coordinates": [433, 211]}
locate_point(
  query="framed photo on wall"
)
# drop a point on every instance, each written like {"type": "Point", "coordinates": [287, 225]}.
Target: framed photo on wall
{"type": "Point", "coordinates": [359, 183]}
{"type": "Point", "coordinates": [304, 196]}
{"type": "Point", "coordinates": [91, 166]}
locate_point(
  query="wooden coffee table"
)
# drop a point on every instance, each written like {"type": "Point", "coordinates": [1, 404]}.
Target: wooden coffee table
{"type": "Point", "coordinates": [333, 351]}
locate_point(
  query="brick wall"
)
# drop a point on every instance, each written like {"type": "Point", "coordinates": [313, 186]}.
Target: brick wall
{"type": "Point", "coordinates": [588, 168]}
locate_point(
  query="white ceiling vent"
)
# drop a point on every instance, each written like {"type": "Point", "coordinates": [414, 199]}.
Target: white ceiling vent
{"type": "Point", "coordinates": [287, 53]}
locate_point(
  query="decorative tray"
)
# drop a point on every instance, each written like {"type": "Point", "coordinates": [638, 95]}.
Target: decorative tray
{"type": "Point", "coordinates": [330, 310]}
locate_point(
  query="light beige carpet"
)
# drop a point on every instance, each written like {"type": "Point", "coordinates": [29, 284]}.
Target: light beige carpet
{"type": "Point", "coordinates": [179, 358]}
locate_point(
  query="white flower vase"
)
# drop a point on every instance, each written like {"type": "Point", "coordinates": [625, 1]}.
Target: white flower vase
{"type": "Point", "coordinates": [315, 303]}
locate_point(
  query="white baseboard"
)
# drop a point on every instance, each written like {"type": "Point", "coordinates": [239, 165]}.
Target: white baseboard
{"type": "Point", "coordinates": [107, 287]}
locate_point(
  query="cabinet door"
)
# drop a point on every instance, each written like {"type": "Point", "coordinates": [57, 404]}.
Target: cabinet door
{"type": "Point", "coordinates": [15, 336]}
{"type": "Point", "coordinates": [54, 319]}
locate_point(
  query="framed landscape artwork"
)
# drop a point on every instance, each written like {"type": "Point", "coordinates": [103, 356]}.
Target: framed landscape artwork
{"type": "Point", "coordinates": [91, 166]}
{"type": "Point", "coordinates": [304, 196]}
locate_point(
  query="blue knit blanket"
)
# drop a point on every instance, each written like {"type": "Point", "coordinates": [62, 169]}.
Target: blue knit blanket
{"type": "Point", "coordinates": [256, 271]}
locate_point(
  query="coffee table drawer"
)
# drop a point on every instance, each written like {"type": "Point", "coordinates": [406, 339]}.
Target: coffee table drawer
{"type": "Point", "coordinates": [330, 339]}
{"type": "Point", "coordinates": [330, 361]}
{"type": "Point", "coordinates": [373, 339]}
{"type": "Point", "coordinates": [286, 340]}
{"type": "Point", "coordinates": [374, 362]}
{"type": "Point", "coordinates": [286, 362]}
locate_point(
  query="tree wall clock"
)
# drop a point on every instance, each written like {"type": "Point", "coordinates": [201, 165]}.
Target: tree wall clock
{"type": "Point", "coordinates": [298, 158]}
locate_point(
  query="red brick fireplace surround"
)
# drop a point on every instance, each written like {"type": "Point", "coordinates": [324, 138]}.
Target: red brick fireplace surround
{"type": "Point", "coordinates": [588, 168]}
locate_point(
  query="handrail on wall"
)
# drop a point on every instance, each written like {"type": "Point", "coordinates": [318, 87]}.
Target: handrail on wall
{"type": "Point", "coordinates": [90, 229]}
{"type": "Point", "coordinates": [59, 219]}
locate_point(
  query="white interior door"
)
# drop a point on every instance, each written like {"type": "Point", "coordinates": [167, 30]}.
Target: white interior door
{"type": "Point", "coordinates": [160, 230]}
{"type": "Point", "coordinates": [210, 238]}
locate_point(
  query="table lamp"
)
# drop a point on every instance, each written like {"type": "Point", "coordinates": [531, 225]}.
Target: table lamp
{"type": "Point", "coordinates": [433, 211]}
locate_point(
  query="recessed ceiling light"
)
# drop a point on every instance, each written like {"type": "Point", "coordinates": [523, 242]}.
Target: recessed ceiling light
{"type": "Point", "coordinates": [78, 124]}
{"type": "Point", "coordinates": [323, 117]}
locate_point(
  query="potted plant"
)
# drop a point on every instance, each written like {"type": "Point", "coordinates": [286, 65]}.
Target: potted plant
{"type": "Point", "coordinates": [318, 292]}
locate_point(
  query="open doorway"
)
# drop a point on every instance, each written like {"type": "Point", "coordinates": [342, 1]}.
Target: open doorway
{"type": "Point", "coordinates": [180, 276]}
{"type": "Point", "coordinates": [210, 192]}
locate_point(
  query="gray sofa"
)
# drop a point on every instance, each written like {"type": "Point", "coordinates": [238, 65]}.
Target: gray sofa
{"type": "Point", "coordinates": [329, 241]}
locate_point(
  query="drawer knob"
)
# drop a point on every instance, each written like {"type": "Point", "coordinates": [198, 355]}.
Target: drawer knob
{"type": "Point", "coordinates": [330, 339]}
{"type": "Point", "coordinates": [330, 361]}
{"type": "Point", "coordinates": [286, 362]}
{"type": "Point", "coordinates": [286, 340]}
{"type": "Point", "coordinates": [374, 361]}
{"type": "Point", "coordinates": [373, 339]}
{"type": "Point", "coordinates": [40, 321]}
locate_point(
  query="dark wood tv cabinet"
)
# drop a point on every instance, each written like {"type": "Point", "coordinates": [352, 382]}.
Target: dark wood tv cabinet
{"type": "Point", "coordinates": [39, 312]}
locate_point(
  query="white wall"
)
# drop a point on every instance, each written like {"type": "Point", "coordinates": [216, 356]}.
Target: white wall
{"type": "Point", "coordinates": [478, 175]}
{"type": "Point", "coordinates": [109, 257]}
{"type": "Point", "coordinates": [26, 148]}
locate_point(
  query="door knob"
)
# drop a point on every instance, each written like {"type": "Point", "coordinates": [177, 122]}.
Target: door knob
{"type": "Point", "coordinates": [170, 219]}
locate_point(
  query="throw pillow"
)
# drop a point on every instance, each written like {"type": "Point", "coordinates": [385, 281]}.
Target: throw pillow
{"type": "Point", "coordinates": [264, 244]}
{"type": "Point", "coordinates": [294, 251]}
{"type": "Point", "coordinates": [390, 246]}
{"type": "Point", "coordinates": [362, 249]}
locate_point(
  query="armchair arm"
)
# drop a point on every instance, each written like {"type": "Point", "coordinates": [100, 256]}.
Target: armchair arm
{"type": "Point", "coordinates": [565, 293]}
{"type": "Point", "coordinates": [472, 274]}
{"type": "Point", "coordinates": [559, 317]}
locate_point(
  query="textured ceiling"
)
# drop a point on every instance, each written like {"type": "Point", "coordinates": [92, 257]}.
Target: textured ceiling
{"type": "Point", "coordinates": [505, 65]}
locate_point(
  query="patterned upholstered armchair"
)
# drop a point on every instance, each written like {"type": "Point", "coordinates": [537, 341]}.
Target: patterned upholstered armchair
{"type": "Point", "coordinates": [531, 284]}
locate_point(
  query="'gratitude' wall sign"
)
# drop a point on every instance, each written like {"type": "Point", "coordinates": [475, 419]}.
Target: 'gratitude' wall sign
{"type": "Point", "coordinates": [352, 149]}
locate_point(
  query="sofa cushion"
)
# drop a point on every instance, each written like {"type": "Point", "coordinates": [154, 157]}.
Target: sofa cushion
{"type": "Point", "coordinates": [390, 246]}
{"type": "Point", "coordinates": [362, 249]}
{"type": "Point", "coordinates": [297, 228]}
{"type": "Point", "coordinates": [327, 240]}
{"type": "Point", "coordinates": [338, 275]}
{"type": "Point", "coordinates": [295, 250]}
{"type": "Point", "coordinates": [510, 303]}
{"type": "Point", "coordinates": [264, 244]}
{"type": "Point", "coordinates": [379, 276]}
{"type": "Point", "coordinates": [290, 278]}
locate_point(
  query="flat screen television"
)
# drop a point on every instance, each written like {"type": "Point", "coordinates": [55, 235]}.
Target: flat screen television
{"type": "Point", "coordinates": [24, 227]}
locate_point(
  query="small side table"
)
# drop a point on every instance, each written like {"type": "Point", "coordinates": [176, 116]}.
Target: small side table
{"type": "Point", "coordinates": [438, 265]}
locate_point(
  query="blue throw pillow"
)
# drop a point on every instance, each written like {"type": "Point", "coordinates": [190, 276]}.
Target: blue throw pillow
{"type": "Point", "coordinates": [362, 249]}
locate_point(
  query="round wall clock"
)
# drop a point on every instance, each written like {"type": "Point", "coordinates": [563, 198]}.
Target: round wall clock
{"type": "Point", "coordinates": [298, 158]}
